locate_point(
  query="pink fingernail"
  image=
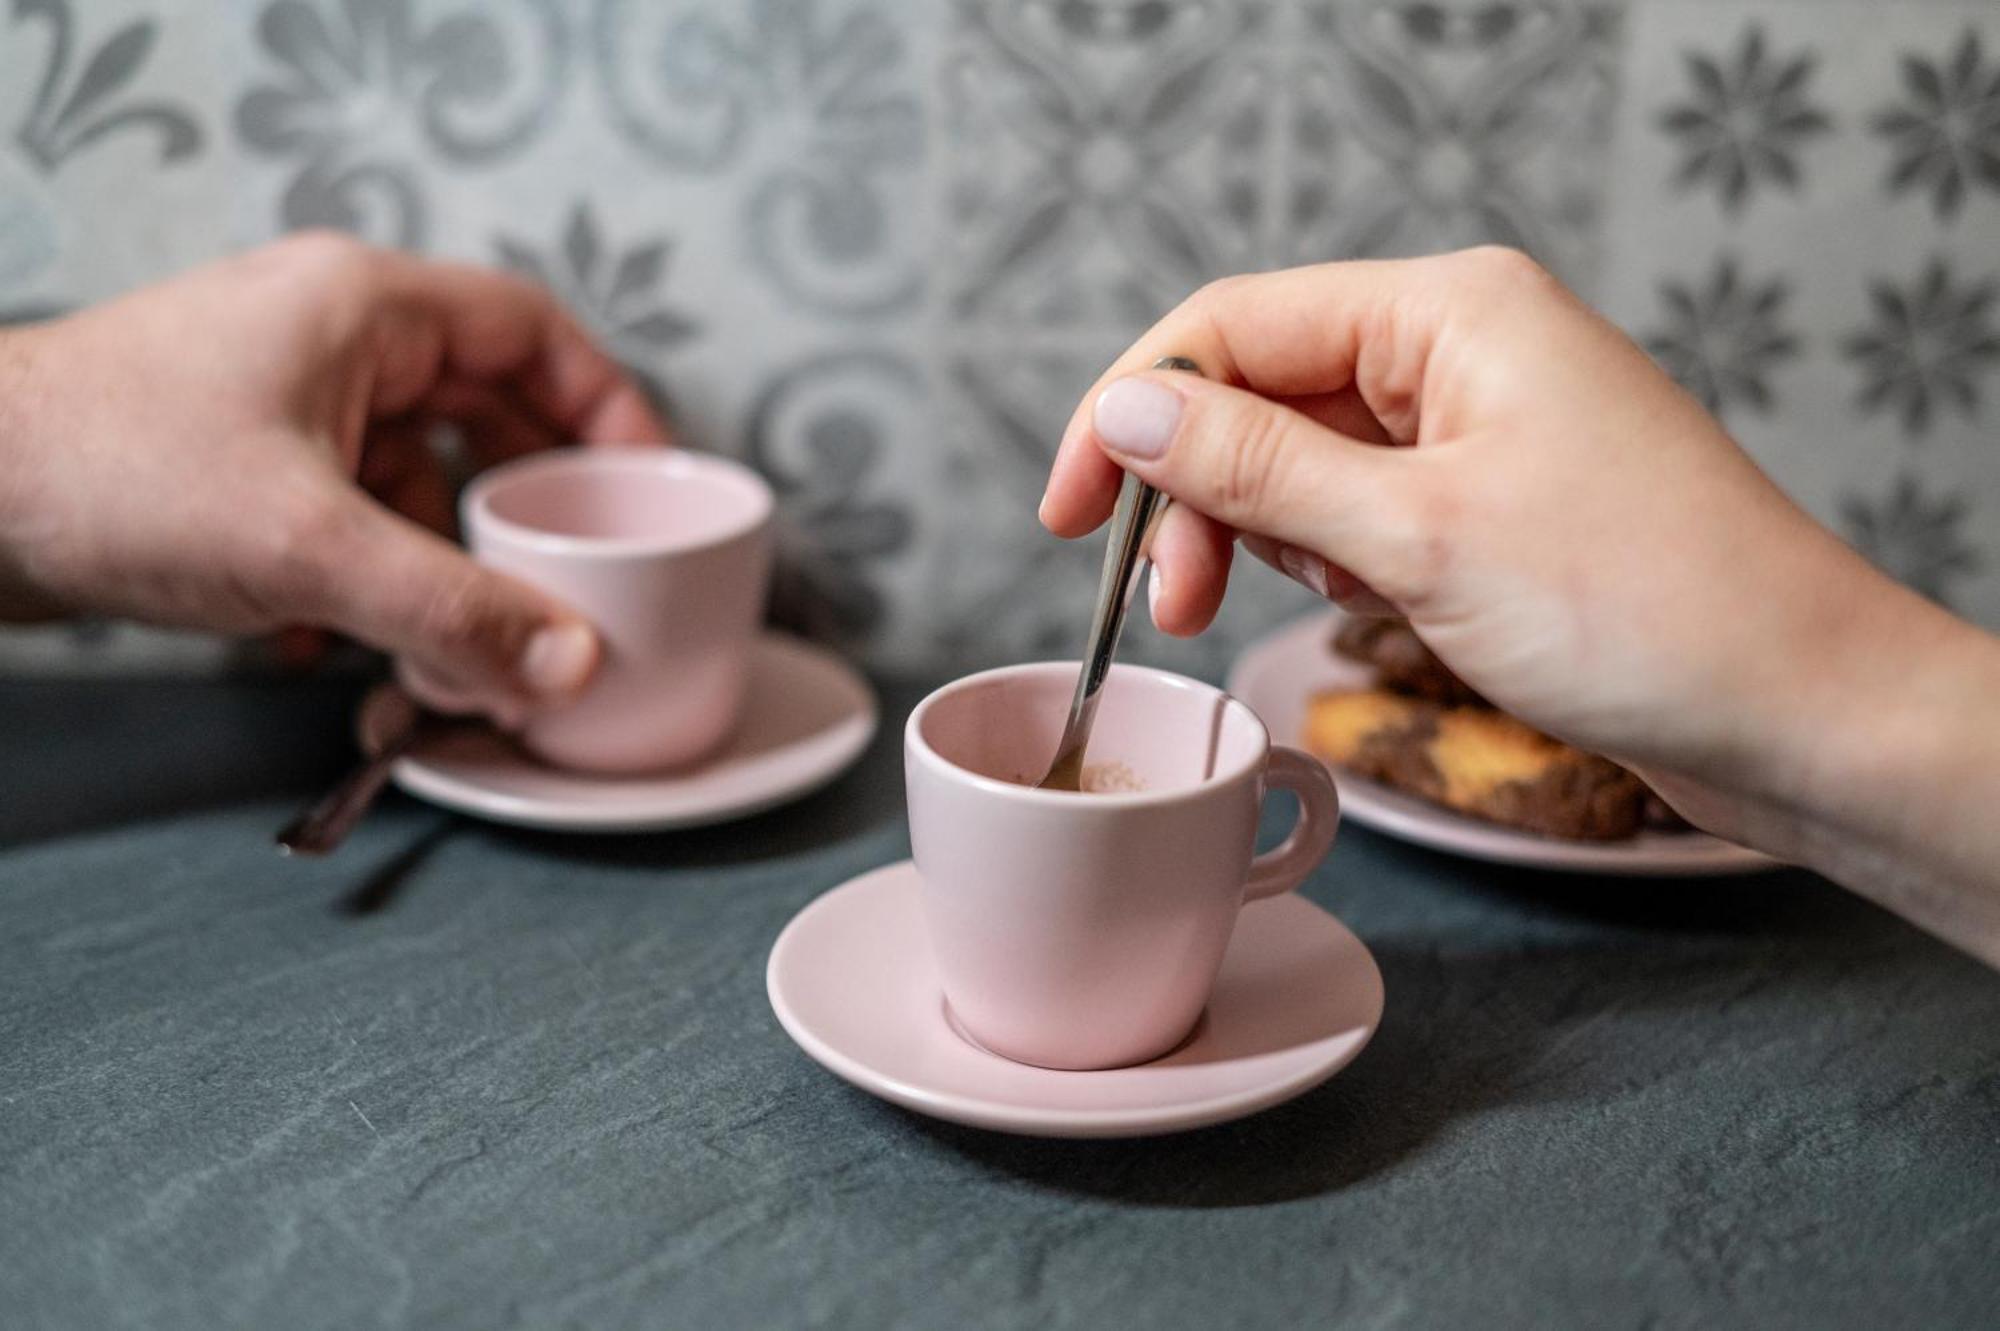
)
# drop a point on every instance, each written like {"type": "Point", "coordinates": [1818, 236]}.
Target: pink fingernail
{"type": "Point", "coordinates": [558, 660]}
{"type": "Point", "coordinates": [1355, 596]}
{"type": "Point", "coordinates": [1304, 568]}
{"type": "Point", "coordinates": [1137, 417]}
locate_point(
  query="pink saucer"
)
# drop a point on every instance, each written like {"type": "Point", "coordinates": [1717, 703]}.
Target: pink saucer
{"type": "Point", "coordinates": [807, 717]}
{"type": "Point", "coordinates": [1276, 675]}
{"type": "Point", "coordinates": [852, 981]}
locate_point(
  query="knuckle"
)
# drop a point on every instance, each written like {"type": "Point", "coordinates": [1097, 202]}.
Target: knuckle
{"type": "Point", "coordinates": [324, 260]}
{"type": "Point", "coordinates": [456, 617]}
{"type": "Point", "coordinates": [1251, 461]}
{"type": "Point", "coordinates": [532, 292]}
{"type": "Point", "coordinates": [1209, 309]}
{"type": "Point", "coordinates": [1502, 269]}
{"type": "Point", "coordinates": [1391, 381]}
{"type": "Point", "coordinates": [324, 247]}
{"type": "Point", "coordinates": [1504, 261]}
{"type": "Point", "coordinates": [1216, 291]}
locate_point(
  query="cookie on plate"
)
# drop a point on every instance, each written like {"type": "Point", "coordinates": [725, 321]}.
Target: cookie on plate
{"type": "Point", "coordinates": [1401, 662]}
{"type": "Point", "coordinates": [1476, 761]}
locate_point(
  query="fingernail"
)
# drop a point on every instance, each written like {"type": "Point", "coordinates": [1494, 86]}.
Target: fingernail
{"type": "Point", "coordinates": [1155, 585]}
{"type": "Point", "coordinates": [1304, 567]}
{"type": "Point", "coordinates": [1042, 511]}
{"type": "Point", "coordinates": [1353, 595]}
{"type": "Point", "coordinates": [1137, 417]}
{"type": "Point", "coordinates": [558, 660]}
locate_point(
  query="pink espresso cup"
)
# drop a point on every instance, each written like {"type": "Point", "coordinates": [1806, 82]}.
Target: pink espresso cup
{"type": "Point", "coordinates": [1086, 930]}
{"type": "Point", "coordinates": [668, 554]}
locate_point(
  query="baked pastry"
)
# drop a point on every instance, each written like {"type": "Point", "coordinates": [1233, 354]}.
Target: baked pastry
{"type": "Point", "coordinates": [1476, 761]}
{"type": "Point", "coordinates": [1401, 662]}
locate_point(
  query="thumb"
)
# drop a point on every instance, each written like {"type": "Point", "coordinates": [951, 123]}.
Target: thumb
{"type": "Point", "coordinates": [481, 640]}
{"type": "Point", "coordinates": [1267, 471]}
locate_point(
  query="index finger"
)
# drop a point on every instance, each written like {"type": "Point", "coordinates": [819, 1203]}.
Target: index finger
{"type": "Point", "coordinates": [1348, 336]}
{"type": "Point", "coordinates": [499, 329]}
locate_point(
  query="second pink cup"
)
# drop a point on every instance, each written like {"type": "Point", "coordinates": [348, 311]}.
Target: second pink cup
{"type": "Point", "coordinates": [1086, 930]}
{"type": "Point", "coordinates": [668, 554]}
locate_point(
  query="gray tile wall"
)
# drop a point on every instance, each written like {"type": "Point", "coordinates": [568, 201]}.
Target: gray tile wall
{"type": "Point", "coordinates": [879, 248]}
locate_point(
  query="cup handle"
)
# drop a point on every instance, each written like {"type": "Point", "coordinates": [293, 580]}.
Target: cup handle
{"type": "Point", "coordinates": [1284, 868]}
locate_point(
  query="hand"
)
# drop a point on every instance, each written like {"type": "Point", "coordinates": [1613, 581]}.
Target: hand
{"type": "Point", "coordinates": [1461, 440]}
{"type": "Point", "coordinates": [1573, 534]}
{"type": "Point", "coordinates": [188, 455]}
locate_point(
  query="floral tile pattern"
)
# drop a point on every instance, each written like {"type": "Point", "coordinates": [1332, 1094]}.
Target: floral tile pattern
{"type": "Point", "coordinates": [1476, 123]}
{"type": "Point", "coordinates": [1747, 118]}
{"type": "Point", "coordinates": [95, 98]}
{"type": "Point", "coordinates": [1080, 137]}
{"type": "Point", "coordinates": [362, 96]}
{"type": "Point", "coordinates": [1944, 133]}
{"type": "Point", "coordinates": [615, 293]}
{"type": "Point", "coordinates": [1918, 538]}
{"type": "Point", "coordinates": [823, 431]}
{"type": "Point", "coordinates": [1803, 226]}
{"type": "Point", "coordinates": [813, 105]}
{"type": "Point", "coordinates": [1103, 159]}
{"type": "Point", "coordinates": [74, 107]}
{"type": "Point", "coordinates": [878, 250]}
{"type": "Point", "coordinates": [83, 101]}
{"type": "Point", "coordinates": [1928, 346]}
{"type": "Point", "coordinates": [1723, 339]}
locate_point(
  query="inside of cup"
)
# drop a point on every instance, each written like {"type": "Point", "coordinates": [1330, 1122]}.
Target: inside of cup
{"type": "Point", "coordinates": [627, 499]}
{"type": "Point", "coordinates": [1154, 732]}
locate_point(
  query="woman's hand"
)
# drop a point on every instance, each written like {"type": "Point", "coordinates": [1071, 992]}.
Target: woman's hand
{"type": "Point", "coordinates": [1461, 440]}
{"type": "Point", "coordinates": [188, 455]}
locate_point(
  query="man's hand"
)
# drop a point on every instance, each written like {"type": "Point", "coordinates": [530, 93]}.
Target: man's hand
{"type": "Point", "coordinates": [244, 448]}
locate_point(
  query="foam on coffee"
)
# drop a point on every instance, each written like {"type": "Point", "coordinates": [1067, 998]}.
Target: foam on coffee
{"type": "Point", "coordinates": [1112, 778]}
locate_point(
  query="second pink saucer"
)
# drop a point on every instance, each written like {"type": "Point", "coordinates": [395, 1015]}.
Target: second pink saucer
{"type": "Point", "coordinates": [853, 982]}
{"type": "Point", "coordinates": [807, 717]}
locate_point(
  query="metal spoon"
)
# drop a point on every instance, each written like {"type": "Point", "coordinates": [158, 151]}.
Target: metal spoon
{"type": "Point", "coordinates": [1139, 504]}
{"type": "Point", "coordinates": [320, 829]}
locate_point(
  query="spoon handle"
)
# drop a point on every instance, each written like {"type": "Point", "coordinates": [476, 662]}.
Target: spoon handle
{"type": "Point", "coordinates": [1124, 560]}
{"type": "Point", "coordinates": [320, 829]}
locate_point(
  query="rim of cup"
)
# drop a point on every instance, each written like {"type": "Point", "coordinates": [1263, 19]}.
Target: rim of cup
{"type": "Point", "coordinates": [476, 504]}
{"type": "Point", "coordinates": [1105, 799]}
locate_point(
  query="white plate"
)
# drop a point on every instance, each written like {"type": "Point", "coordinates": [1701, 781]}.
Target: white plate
{"type": "Point", "coordinates": [853, 981]}
{"type": "Point", "coordinates": [806, 719]}
{"type": "Point", "coordinates": [1278, 674]}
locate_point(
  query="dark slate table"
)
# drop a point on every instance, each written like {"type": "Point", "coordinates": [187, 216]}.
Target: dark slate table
{"type": "Point", "coordinates": [461, 1076]}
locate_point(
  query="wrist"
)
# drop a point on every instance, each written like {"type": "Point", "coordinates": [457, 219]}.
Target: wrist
{"type": "Point", "coordinates": [1886, 776]}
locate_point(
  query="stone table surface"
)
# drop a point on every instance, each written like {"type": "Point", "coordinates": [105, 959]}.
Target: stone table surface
{"type": "Point", "coordinates": [461, 1076]}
